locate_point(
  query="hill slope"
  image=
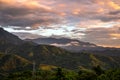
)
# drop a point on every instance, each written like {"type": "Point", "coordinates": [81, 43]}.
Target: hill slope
{"type": "Point", "coordinates": [8, 37]}
{"type": "Point", "coordinates": [21, 57]}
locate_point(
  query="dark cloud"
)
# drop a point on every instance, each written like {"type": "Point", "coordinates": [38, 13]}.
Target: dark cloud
{"type": "Point", "coordinates": [78, 1]}
{"type": "Point", "coordinates": [25, 16]}
{"type": "Point", "coordinates": [102, 36]}
{"type": "Point", "coordinates": [8, 20]}
{"type": "Point", "coordinates": [14, 11]}
{"type": "Point", "coordinates": [106, 18]}
{"type": "Point", "coordinates": [116, 12]}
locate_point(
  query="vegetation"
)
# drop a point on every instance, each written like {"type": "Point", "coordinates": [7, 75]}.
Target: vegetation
{"type": "Point", "coordinates": [17, 64]}
{"type": "Point", "coordinates": [64, 74]}
{"type": "Point", "coordinates": [28, 61]}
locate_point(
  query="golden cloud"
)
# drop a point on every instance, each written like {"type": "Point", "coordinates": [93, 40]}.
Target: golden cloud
{"type": "Point", "coordinates": [100, 10]}
{"type": "Point", "coordinates": [76, 11]}
{"type": "Point", "coordinates": [113, 5]}
{"type": "Point", "coordinates": [109, 45]}
{"type": "Point", "coordinates": [62, 5]}
{"type": "Point", "coordinates": [115, 35]}
{"type": "Point", "coordinates": [62, 14]}
{"type": "Point", "coordinates": [30, 4]}
{"type": "Point", "coordinates": [108, 4]}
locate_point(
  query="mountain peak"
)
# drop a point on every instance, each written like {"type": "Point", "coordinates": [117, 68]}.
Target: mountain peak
{"type": "Point", "coordinates": [1, 28]}
{"type": "Point", "coordinates": [9, 37]}
{"type": "Point", "coordinates": [66, 43]}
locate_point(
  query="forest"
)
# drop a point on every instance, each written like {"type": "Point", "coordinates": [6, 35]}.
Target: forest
{"type": "Point", "coordinates": [96, 73]}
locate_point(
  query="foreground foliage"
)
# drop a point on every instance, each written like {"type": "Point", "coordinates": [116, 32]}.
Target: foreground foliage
{"type": "Point", "coordinates": [63, 74]}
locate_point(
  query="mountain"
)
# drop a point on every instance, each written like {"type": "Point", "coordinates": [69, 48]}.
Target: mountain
{"type": "Point", "coordinates": [68, 44]}
{"type": "Point", "coordinates": [9, 37]}
{"type": "Point", "coordinates": [50, 55]}
{"type": "Point", "coordinates": [15, 57]}
{"type": "Point", "coordinates": [10, 63]}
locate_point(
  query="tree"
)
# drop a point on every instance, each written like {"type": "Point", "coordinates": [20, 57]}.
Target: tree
{"type": "Point", "coordinates": [98, 70]}
{"type": "Point", "coordinates": [60, 74]}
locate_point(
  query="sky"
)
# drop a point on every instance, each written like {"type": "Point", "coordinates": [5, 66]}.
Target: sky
{"type": "Point", "coordinates": [95, 21]}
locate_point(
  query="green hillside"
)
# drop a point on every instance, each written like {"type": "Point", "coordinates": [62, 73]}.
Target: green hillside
{"type": "Point", "coordinates": [43, 54]}
{"type": "Point", "coordinates": [20, 58]}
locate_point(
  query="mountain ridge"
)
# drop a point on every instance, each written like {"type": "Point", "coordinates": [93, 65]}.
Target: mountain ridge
{"type": "Point", "coordinates": [9, 37]}
{"type": "Point", "coordinates": [50, 55]}
{"type": "Point", "coordinates": [68, 44]}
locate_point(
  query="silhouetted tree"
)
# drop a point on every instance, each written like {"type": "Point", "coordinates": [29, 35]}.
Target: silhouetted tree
{"type": "Point", "coordinates": [98, 70]}
{"type": "Point", "coordinates": [60, 74]}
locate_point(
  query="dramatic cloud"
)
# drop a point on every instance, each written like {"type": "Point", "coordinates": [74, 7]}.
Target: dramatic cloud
{"type": "Point", "coordinates": [26, 13]}
{"type": "Point", "coordinates": [96, 21]}
{"type": "Point", "coordinates": [103, 36]}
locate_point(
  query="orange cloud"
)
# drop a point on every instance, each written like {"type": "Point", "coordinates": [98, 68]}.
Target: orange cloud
{"type": "Point", "coordinates": [108, 3]}
{"type": "Point", "coordinates": [35, 26]}
{"type": "Point", "coordinates": [114, 5]}
{"type": "Point", "coordinates": [100, 2]}
{"type": "Point", "coordinates": [109, 46]}
{"type": "Point", "coordinates": [62, 14]}
{"type": "Point", "coordinates": [62, 5]}
{"type": "Point", "coordinates": [8, 2]}
{"type": "Point", "coordinates": [35, 4]}
{"type": "Point", "coordinates": [100, 10]}
{"type": "Point", "coordinates": [76, 11]}
{"type": "Point", "coordinates": [31, 4]}
{"type": "Point", "coordinates": [115, 35]}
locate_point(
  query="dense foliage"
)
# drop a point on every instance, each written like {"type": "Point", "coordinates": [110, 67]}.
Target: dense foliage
{"type": "Point", "coordinates": [63, 74]}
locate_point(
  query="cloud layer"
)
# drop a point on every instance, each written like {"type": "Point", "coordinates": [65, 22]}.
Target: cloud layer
{"type": "Point", "coordinates": [96, 21]}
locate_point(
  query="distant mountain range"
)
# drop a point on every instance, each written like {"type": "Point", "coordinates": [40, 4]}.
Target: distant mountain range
{"type": "Point", "coordinates": [17, 55]}
{"type": "Point", "coordinates": [71, 44]}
